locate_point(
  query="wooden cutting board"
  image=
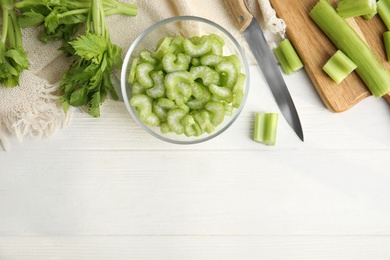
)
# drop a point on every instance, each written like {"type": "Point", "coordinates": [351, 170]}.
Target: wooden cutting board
{"type": "Point", "coordinates": [315, 49]}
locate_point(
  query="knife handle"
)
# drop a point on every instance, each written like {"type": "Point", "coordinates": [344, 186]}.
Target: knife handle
{"type": "Point", "coordinates": [240, 13]}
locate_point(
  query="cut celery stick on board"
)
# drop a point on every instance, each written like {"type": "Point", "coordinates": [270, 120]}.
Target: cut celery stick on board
{"type": "Point", "coordinates": [314, 49]}
{"type": "Point", "coordinates": [354, 8]}
{"type": "Point", "coordinates": [339, 66]}
{"type": "Point", "coordinates": [386, 41]}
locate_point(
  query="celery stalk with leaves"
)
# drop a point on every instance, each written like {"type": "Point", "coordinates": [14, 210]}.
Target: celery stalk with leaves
{"type": "Point", "coordinates": [87, 82]}
{"type": "Point", "coordinates": [62, 19]}
{"type": "Point", "coordinates": [13, 58]}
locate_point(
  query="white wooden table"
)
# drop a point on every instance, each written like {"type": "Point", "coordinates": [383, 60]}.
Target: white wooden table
{"type": "Point", "coordinates": [105, 189]}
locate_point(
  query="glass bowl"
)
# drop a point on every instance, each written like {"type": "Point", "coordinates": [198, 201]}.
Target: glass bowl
{"type": "Point", "coordinates": [186, 26]}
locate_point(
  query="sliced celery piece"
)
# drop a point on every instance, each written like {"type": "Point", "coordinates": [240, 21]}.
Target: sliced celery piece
{"type": "Point", "coordinates": [143, 105]}
{"type": "Point", "coordinates": [142, 74]}
{"type": "Point", "coordinates": [172, 62]}
{"type": "Point", "coordinates": [386, 40]}
{"type": "Point", "coordinates": [210, 60]}
{"type": "Point", "coordinates": [174, 117]}
{"type": "Point", "coordinates": [339, 66]}
{"type": "Point", "coordinates": [220, 92]}
{"type": "Point", "coordinates": [370, 69]}
{"type": "Point", "coordinates": [158, 89]}
{"type": "Point", "coordinates": [147, 56]}
{"type": "Point", "coordinates": [132, 70]}
{"type": "Point", "coordinates": [383, 8]}
{"type": "Point", "coordinates": [162, 47]}
{"type": "Point", "coordinates": [353, 8]}
{"type": "Point", "coordinates": [283, 61]}
{"type": "Point", "coordinates": [137, 89]}
{"type": "Point", "coordinates": [265, 128]}
{"type": "Point", "coordinates": [227, 68]}
{"type": "Point", "coordinates": [202, 72]}
{"type": "Point", "coordinates": [217, 111]}
{"type": "Point", "coordinates": [288, 57]}
{"type": "Point", "coordinates": [197, 50]}
{"type": "Point", "coordinates": [152, 120]}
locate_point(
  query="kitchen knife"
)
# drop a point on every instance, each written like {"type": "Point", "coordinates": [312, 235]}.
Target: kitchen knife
{"type": "Point", "coordinates": [266, 61]}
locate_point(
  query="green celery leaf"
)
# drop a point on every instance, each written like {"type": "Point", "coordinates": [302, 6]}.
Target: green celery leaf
{"type": "Point", "coordinates": [52, 21]}
{"type": "Point", "coordinates": [73, 19]}
{"type": "Point", "coordinates": [53, 3]}
{"type": "Point", "coordinates": [95, 81]}
{"type": "Point", "coordinates": [109, 87]}
{"type": "Point", "coordinates": [62, 32]}
{"type": "Point", "coordinates": [79, 97]}
{"type": "Point", "coordinates": [31, 18]}
{"type": "Point", "coordinates": [10, 81]}
{"type": "Point", "coordinates": [19, 58]}
{"type": "Point", "coordinates": [94, 108]}
{"type": "Point", "coordinates": [65, 106]}
{"type": "Point", "coordinates": [116, 54]}
{"type": "Point", "coordinates": [90, 47]}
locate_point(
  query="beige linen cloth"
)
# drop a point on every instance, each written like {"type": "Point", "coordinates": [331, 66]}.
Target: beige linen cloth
{"type": "Point", "coordinates": [30, 109]}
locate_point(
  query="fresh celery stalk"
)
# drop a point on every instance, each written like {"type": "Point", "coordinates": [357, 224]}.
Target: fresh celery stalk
{"type": "Point", "coordinates": [265, 128]}
{"type": "Point", "coordinates": [288, 57]}
{"type": "Point", "coordinates": [369, 67]}
{"type": "Point", "coordinates": [353, 8]}
{"type": "Point", "coordinates": [383, 8]}
{"type": "Point", "coordinates": [339, 66]}
{"type": "Point", "coordinates": [386, 40]}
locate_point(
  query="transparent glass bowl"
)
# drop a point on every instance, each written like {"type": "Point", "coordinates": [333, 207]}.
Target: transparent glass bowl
{"type": "Point", "coordinates": [187, 26]}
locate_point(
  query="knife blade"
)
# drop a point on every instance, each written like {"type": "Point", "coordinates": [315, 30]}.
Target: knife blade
{"type": "Point", "coordinates": [254, 35]}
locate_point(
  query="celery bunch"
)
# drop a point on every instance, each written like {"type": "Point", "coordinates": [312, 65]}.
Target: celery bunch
{"type": "Point", "coordinates": [62, 19]}
{"type": "Point", "coordinates": [87, 82]}
{"type": "Point", "coordinates": [13, 58]}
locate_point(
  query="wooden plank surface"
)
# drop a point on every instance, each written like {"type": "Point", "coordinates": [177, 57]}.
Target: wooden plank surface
{"type": "Point", "coordinates": [315, 49]}
{"type": "Point", "coordinates": [213, 247]}
{"type": "Point", "coordinates": [105, 189]}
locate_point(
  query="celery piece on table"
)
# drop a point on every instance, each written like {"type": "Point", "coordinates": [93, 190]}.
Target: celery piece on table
{"type": "Point", "coordinates": [353, 8]}
{"type": "Point", "coordinates": [386, 40]}
{"type": "Point", "coordinates": [339, 66]}
{"type": "Point", "coordinates": [265, 128]}
{"type": "Point", "coordinates": [383, 8]}
{"type": "Point", "coordinates": [288, 57]}
{"type": "Point", "coordinates": [370, 69]}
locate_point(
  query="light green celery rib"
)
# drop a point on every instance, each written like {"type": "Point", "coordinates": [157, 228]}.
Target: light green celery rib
{"type": "Point", "coordinates": [353, 8]}
{"type": "Point", "coordinates": [386, 40]}
{"type": "Point", "coordinates": [369, 67]}
{"type": "Point", "coordinates": [283, 61]}
{"type": "Point", "coordinates": [291, 55]}
{"type": "Point", "coordinates": [383, 8]}
{"type": "Point", "coordinates": [265, 128]}
{"type": "Point", "coordinates": [339, 66]}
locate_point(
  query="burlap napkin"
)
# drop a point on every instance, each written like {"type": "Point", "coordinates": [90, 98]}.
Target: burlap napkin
{"type": "Point", "coordinates": [30, 109]}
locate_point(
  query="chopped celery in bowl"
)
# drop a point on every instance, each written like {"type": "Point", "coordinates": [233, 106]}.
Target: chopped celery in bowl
{"type": "Point", "coordinates": [185, 80]}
